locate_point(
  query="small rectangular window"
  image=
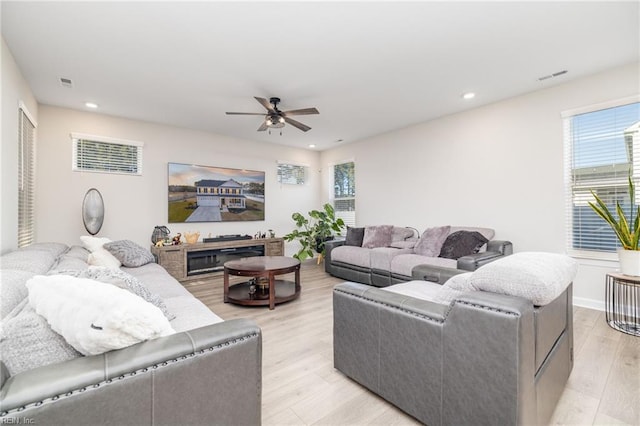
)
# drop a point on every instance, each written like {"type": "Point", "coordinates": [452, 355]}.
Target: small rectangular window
{"type": "Point", "coordinates": [292, 174]}
{"type": "Point", "coordinates": [344, 192]}
{"type": "Point", "coordinates": [106, 155]}
{"type": "Point", "coordinates": [26, 178]}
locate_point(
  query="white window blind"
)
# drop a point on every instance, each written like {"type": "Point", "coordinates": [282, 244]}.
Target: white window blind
{"type": "Point", "coordinates": [344, 192]}
{"type": "Point", "coordinates": [602, 147]}
{"type": "Point", "coordinates": [292, 174]}
{"type": "Point", "coordinates": [106, 155]}
{"type": "Point", "coordinates": [26, 178]}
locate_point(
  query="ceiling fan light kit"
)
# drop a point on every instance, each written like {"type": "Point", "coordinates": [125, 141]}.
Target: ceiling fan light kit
{"type": "Point", "coordinates": [276, 119]}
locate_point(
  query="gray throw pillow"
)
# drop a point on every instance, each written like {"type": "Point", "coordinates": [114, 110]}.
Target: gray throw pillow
{"type": "Point", "coordinates": [462, 243]}
{"type": "Point", "coordinates": [129, 253]}
{"type": "Point", "coordinates": [377, 236]}
{"type": "Point", "coordinates": [27, 341]}
{"type": "Point", "coordinates": [124, 281]}
{"type": "Point", "coordinates": [354, 236]}
{"type": "Point", "coordinates": [431, 240]}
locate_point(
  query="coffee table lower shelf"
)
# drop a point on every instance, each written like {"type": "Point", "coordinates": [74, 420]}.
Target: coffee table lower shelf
{"type": "Point", "coordinates": [285, 292]}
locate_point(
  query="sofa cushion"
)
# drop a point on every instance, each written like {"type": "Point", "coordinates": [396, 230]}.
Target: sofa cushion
{"type": "Point", "coordinates": [380, 257]}
{"type": "Point", "coordinates": [462, 243]}
{"type": "Point", "coordinates": [12, 289]}
{"type": "Point", "coordinates": [539, 277]}
{"type": "Point", "coordinates": [454, 287]}
{"type": "Point", "coordinates": [68, 264]}
{"type": "Point", "coordinates": [55, 249]}
{"type": "Point", "coordinates": [359, 256]}
{"type": "Point", "coordinates": [129, 253]}
{"type": "Point", "coordinates": [78, 252]}
{"type": "Point", "coordinates": [423, 290]}
{"type": "Point", "coordinates": [27, 341]}
{"type": "Point", "coordinates": [403, 264]}
{"type": "Point", "coordinates": [377, 236]}
{"type": "Point", "coordinates": [36, 261]}
{"type": "Point", "coordinates": [193, 313]}
{"type": "Point", "coordinates": [95, 317]}
{"type": "Point", "coordinates": [431, 241]}
{"type": "Point", "coordinates": [354, 236]}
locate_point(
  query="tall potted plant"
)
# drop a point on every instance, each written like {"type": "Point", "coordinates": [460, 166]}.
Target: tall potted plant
{"type": "Point", "coordinates": [314, 231]}
{"type": "Point", "coordinates": [626, 229]}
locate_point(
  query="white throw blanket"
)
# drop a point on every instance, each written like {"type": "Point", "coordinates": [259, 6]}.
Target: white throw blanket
{"type": "Point", "coordinates": [94, 317]}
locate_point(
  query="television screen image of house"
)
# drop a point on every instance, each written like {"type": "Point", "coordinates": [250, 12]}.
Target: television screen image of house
{"type": "Point", "coordinates": [214, 194]}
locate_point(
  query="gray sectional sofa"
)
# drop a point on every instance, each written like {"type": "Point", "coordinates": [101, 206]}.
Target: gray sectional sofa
{"type": "Point", "coordinates": [453, 356]}
{"type": "Point", "coordinates": [208, 372]}
{"type": "Point", "coordinates": [398, 262]}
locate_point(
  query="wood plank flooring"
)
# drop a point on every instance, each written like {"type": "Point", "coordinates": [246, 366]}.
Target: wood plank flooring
{"type": "Point", "coordinates": [301, 387]}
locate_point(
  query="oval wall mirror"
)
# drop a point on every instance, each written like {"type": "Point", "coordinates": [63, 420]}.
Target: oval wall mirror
{"type": "Point", "coordinates": [93, 211]}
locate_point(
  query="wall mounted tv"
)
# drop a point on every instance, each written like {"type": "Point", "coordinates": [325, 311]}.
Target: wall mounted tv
{"type": "Point", "coordinates": [214, 194]}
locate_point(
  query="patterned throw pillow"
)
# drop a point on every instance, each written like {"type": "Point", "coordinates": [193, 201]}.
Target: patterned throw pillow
{"type": "Point", "coordinates": [129, 253]}
{"type": "Point", "coordinates": [27, 341]}
{"type": "Point", "coordinates": [462, 243]}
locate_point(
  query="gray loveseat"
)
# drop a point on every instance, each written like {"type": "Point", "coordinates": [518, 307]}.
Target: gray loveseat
{"type": "Point", "coordinates": [398, 262]}
{"type": "Point", "coordinates": [209, 372]}
{"type": "Point", "coordinates": [484, 358]}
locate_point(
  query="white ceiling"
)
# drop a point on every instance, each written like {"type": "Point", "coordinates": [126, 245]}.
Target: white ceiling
{"type": "Point", "coordinates": [369, 67]}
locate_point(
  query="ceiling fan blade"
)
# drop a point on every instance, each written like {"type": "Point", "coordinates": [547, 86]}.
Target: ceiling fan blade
{"type": "Point", "coordinates": [263, 127]}
{"type": "Point", "coordinates": [297, 124]}
{"type": "Point", "coordinates": [303, 111]}
{"type": "Point", "coordinates": [265, 103]}
{"type": "Point", "coordinates": [244, 113]}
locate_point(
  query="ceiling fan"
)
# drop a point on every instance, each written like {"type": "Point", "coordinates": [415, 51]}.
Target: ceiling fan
{"type": "Point", "coordinates": [275, 119]}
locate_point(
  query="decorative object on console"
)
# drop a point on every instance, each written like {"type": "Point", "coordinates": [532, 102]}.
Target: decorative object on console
{"type": "Point", "coordinates": [214, 194]}
{"type": "Point", "coordinates": [312, 233]}
{"type": "Point", "coordinates": [191, 237]}
{"type": "Point", "coordinates": [626, 229]}
{"type": "Point", "coordinates": [160, 233]}
{"type": "Point", "coordinates": [93, 211]}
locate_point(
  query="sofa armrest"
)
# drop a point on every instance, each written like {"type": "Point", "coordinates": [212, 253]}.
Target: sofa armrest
{"type": "Point", "coordinates": [328, 247]}
{"type": "Point", "coordinates": [436, 362]}
{"type": "Point", "coordinates": [495, 250]}
{"type": "Point", "coordinates": [432, 273]}
{"type": "Point", "coordinates": [212, 372]}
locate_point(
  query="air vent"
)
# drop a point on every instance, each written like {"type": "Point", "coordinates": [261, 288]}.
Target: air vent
{"type": "Point", "coordinates": [555, 74]}
{"type": "Point", "coordinates": [66, 82]}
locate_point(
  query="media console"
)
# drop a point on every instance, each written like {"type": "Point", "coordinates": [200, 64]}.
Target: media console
{"type": "Point", "coordinates": [196, 261]}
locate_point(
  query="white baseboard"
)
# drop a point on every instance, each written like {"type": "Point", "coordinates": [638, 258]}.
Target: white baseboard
{"type": "Point", "coordinates": [589, 303]}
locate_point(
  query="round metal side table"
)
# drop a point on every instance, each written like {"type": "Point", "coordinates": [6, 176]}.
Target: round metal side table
{"type": "Point", "coordinates": [622, 300]}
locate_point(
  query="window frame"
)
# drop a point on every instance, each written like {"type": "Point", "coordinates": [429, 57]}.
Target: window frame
{"type": "Point", "coordinates": [568, 172]}
{"type": "Point", "coordinates": [75, 137]}
{"type": "Point", "coordinates": [26, 232]}
{"type": "Point", "coordinates": [349, 221]}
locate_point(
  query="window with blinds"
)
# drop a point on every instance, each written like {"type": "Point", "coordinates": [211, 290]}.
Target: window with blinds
{"type": "Point", "coordinates": [26, 179]}
{"type": "Point", "coordinates": [292, 174]}
{"type": "Point", "coordinates": [106, 155]}
{"type": "Point", "coordinates": [602, 148]}
{"type": "Point", "coordinates": [344, 192]}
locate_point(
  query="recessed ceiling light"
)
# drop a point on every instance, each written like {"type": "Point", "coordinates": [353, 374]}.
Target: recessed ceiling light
{"type": "Point", "coordinates": [312, 146]}
{"type": "Point", "coordinates": [91, 105]}
{"type": "Point", "coordinates": [468, 95]}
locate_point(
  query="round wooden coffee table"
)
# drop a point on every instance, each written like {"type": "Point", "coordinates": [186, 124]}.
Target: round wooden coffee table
{"type": "Point", "coordinates": [262, 289]}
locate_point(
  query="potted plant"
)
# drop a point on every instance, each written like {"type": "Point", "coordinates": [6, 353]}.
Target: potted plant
{"type": "Point", "coordinates": [626, 229]}
{"type": "Point", "coordinates": [313, 232]}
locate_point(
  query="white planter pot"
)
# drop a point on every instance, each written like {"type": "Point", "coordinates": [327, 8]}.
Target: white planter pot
{"type": "Point", "coordinates": [629, 262]}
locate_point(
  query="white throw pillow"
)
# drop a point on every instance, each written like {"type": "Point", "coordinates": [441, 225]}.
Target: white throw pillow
{"type": "Point", "coordinates": [93, 243]}
{"type": "Point", "coordinates": [537, 276]}
{"type": "Point", "coordinates": [94, 317]}
{"type": "Point", "coordinates": [102, 257]}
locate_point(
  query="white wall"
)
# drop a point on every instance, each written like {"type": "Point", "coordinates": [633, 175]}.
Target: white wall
{"type": "Point", "coordinates": [134, 205]}
{"type": "Point", "coordinates": [499, 166]}
{"type": "Point", "coordinates": [14, 90]}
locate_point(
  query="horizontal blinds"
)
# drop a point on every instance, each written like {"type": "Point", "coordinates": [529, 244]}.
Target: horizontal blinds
{"type": "Point", "coordinates": [107, 157]}
{"type": "Point", "coordinates": [602, 148]}
{"type": "Point", "coordinates": [26, 180]}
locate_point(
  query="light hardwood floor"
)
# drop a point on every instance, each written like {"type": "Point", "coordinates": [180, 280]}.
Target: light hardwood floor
{"type": "Point", "coordinates": [301, 387]}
